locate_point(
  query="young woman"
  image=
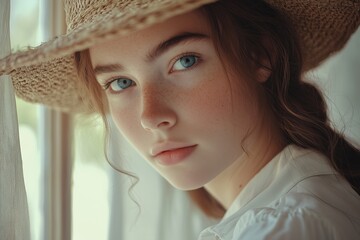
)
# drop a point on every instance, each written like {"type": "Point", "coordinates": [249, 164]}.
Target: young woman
{"type": "Point", "coordinates": [212, 96]}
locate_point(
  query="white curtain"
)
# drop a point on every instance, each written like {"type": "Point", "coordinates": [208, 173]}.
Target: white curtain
{"type": "Point", "coordinates": [14, 219]}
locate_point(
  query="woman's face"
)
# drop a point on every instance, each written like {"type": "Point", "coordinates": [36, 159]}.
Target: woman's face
{"type": "Point", "coordinates": [167, 89]}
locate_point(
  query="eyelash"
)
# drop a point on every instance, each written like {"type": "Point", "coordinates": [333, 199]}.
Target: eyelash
{"type": "Point", "coordinates": [107, 84]}
{"type": "Point", "coordinates": [177, 58]}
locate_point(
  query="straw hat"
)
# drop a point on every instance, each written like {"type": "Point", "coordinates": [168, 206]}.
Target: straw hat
{"type": "Point", "coordinates": [46, 74]}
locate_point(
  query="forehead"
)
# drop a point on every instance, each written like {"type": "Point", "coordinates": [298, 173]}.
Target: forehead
{"type": "Point", "coordinates": [141, 40]}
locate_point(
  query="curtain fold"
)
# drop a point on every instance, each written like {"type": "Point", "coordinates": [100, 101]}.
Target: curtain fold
{"type": "Point", "coordinates": [14, 218]}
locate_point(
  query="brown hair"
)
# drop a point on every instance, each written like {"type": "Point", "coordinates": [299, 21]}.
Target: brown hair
{"type": "Point", "coordinates": [253, 29]}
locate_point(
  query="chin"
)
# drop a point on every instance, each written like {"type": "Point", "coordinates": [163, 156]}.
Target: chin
{"type": "Point", "coordinates": [186, 184]}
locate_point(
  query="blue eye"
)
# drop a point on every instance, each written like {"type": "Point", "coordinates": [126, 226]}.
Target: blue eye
{"type": "Point", "coordinates": [185, 62]}
{"type": "Point", "coordinates": [120, 84]}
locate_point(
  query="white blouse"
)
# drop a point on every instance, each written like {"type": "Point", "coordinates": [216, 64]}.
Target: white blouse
{"type": "Point", "coordinates": [297, 195]}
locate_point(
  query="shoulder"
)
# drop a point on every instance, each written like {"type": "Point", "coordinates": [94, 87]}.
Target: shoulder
{"type": "Point", "coordinates": [303, 213]}
{"type": "Point", "coordinates": [295, 216]}
{"type": "Point", "coordinates": [299, 196]}
{"type": "Point", "coordinates": [270, 223]}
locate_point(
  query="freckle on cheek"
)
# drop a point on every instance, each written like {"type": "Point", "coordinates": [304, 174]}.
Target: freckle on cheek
{"type": "Point", "coordinates": [211, 103]}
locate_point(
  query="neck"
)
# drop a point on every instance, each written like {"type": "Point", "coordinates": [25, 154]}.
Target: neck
{"type": "Point", "coordinates": [227, 185]}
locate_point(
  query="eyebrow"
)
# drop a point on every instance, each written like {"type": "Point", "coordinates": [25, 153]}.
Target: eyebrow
{"type": "Point", "coordinates": [171, 42]}
{"type": "Point", "coordinates": [100, 69]}
{"type": "Point", "coordinates": [156, 52]}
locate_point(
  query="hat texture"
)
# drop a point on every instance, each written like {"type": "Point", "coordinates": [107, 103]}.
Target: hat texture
{"type": "Point", "coordinates": [46, 74]}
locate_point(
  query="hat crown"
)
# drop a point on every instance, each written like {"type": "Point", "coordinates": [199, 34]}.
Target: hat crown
{"type": "Point", "coordinates": [79, 12]}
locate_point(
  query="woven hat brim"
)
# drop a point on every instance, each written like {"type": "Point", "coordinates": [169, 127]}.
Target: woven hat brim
{"type": "Point", "coordinates": [47, 74]}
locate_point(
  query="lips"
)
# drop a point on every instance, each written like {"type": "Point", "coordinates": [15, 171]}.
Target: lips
{"type": "Point", "coordinates": [170, 153]}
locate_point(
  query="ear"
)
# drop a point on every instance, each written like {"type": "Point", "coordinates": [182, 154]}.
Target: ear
{"type": "Point", "coordinates": [263, 61]}
{"type": "Point", "coordinates": [263, 70]}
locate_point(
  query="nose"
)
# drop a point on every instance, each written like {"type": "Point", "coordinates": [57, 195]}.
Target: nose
{"type": "Point", "coordinates": [156, 113]}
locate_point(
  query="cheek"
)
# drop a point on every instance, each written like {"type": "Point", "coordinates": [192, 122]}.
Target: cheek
{"type": "Point", "coordinates": [222, 107]}
{"type": "Point", "coordinates": [209, 103]}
